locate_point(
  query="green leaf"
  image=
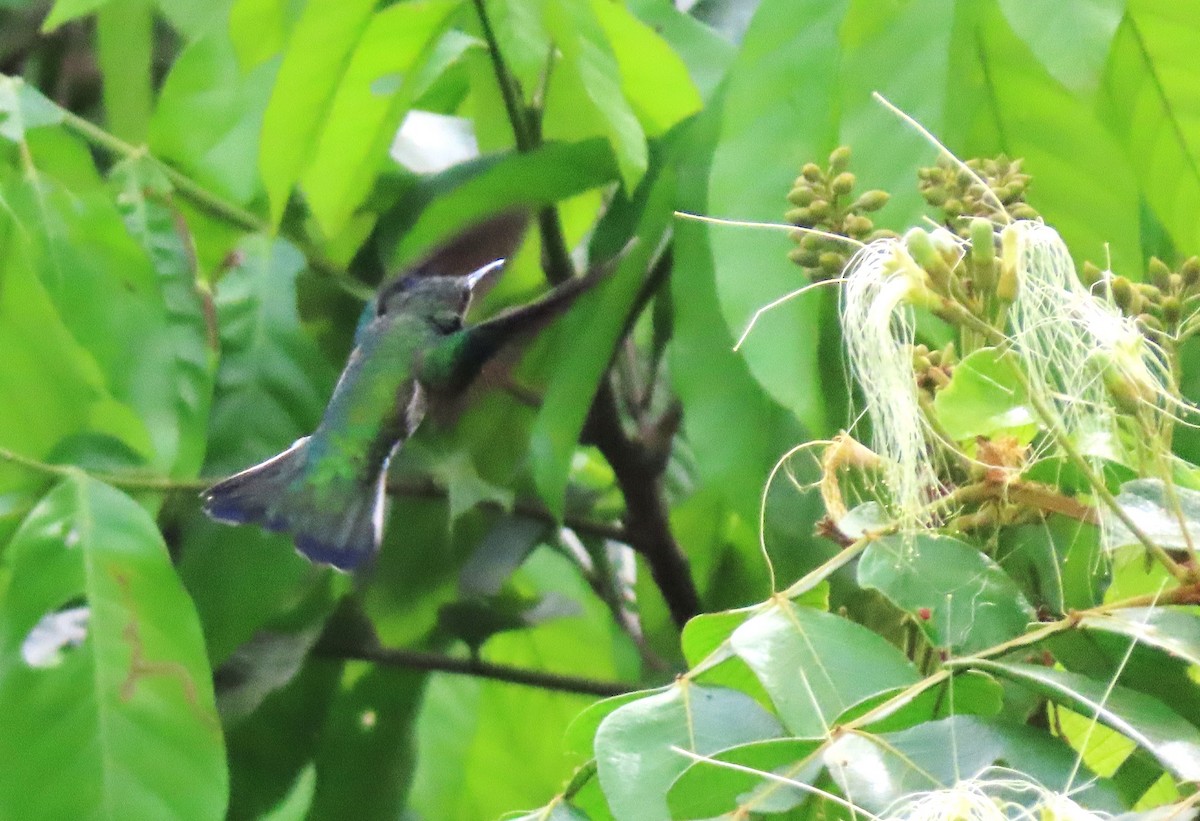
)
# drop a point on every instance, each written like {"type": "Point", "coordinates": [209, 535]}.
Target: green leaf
{"type": "Point", "coordinates": [1146, 720]}
{"type": "Point", "coordinates": [706, 54]}
{"type": "Point", "coordinates": [136, 692]}
{"type": "Point", "coordinates": [653, 78]}
{"type": "Point", "coordinates": [707, 790]}
{"type": "Point", "coordinates": [790, 53]}
{"type": "Point", "coordinates": [318, 50]}
{"type": "Point", "coordinates": [879, 771]}
{"type": "Point", "coordinates": [961, 598]}
{"type": "Point", "coordinates": [1058, 563]}
{"type": "Point", "coordinates": [585, 97]}
{"type": "Point", "coordinates": [985, 398]}
{"type": "Point", "coordinates": [1152, 108]}
{"type": "Point", "coordinates": [465, 196]}
{"type": "Point", "coordinates": [800, 656]}
{"type": "Point", "coordinates": [1157, 510]}
{"type": "Point", "coordinates": [186, 337]}
{"type": "Point", "coordinates": [634, 755]}
{"type": "Point", "coordinates": [588, 335]}
{"type": "Point", "coordinates": [361, 122]}
{"type": "Point", "coordinates": [1074, 45]}
{"type": "Point", "coordinates": [968, 693]}
{"type": "Point", "coordinates": [23, 107]}
{"type": "Point", "coordinates": [193, 20]}
{"type": "Point", "coordinates": [124, 46]}
{"type": "Point", "coordinates": [209, 116]}
{"type": "Point", "coordinates": [65, 11]}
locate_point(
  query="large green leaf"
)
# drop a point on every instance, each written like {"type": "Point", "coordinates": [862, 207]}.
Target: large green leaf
{"type": "Point", "coordinates": [585, 97]}
{"type": "Point", "coordinates": [634, 755]}
{"type": "Point", "coordinates": [706, 789]}
{"type": "Point", "coordinates": [876, 772]}
{"type": "Point", "coordinates": [209, 114]}
{"type": "Point", "coordinates": [1146, 720]}
{"type": "Point", "coordinates": [1151, 104]}
{"type": "Point", "coordinates": [319, 49]}
{"type": "Point", "coordinates": [960, 598]}
{"type": "Point", "coordinates": [800, 656]}
{"type": "Point", "coordinates": [984, 398]}
{"type": "Point", "coordinates": [124, 51]}
{"type": "Point", "coordinates": [362, 120]}
{"type": "Point", "coordinates": [122, 710]}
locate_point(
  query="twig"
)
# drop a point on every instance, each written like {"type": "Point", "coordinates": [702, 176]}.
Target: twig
{"type": "Point", "coordinates": [421, 660]}
{"type": "Point", "coordinates": [638, 472]}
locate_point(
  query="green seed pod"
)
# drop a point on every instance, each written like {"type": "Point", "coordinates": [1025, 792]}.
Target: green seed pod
{"type": "Point", "coordinates": [839, 159]}
{"type": "Point", "coordinates": [831, 262]}
{"type": "Point", "coordinates": [1190, 271]}
{"type": "Point", "coordinates": [796, 216]}
{"type": "Point", "coordinates": [804, 258]}
{"type": "Point", "coordinates": [983, 253]}
{"type": "Point", "coordinates": [871, 200]}
{"type": "Point", "coordinates": [935, 196]}
{"type": "Point", "coordinates": [953, 206]}
{"type": "Point", "coordinates": [818, 210]}
{"type": "Point", "coordinates": [922, 249]}
{"type": "Point", "coordinates": [797, 236]}
{"type": "Point", "coordinates": [1174, 283]}
{"type": "Point", "coordinates": [1148, 291]}
{"type": "Point", "coordinates": [1123, 293]}
{"type": "Point", "coordinates": [1149, 322]}
{"type": "Point", "coordinates": [1023, 211]}
{"type": "Point", "coordinates": [857, 226]}
{"type": "Point", "coordinates": [810, 241]}
{"type": "Point", "coordinates": [1158, 272]}
{"type": "Point", "coordinates": [1090, 274]}
{"type": "Point", "coordinates": [1171, 310]}
{"type": "Point", "coordinates": [801, 195]}
{"type": "Point", "coordinates": [811, 172]}
{"type": "Point", "coordinates": [843, 183]}
{"type": "Point", "coordinates": [1128, 393]}
{"type": "Point", "coordinates": [1007, 284]}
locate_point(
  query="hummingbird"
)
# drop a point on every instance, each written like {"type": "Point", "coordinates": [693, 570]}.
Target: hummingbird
{"type": "Point", "coordinates": [411, 349]}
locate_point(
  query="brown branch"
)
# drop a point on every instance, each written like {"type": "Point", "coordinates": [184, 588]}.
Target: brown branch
{"type": "Point", "coordinates": [435, 662]}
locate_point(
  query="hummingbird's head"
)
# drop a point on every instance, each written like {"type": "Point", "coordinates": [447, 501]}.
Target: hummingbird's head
{"type": "Point", "coordinates": [441, 300]}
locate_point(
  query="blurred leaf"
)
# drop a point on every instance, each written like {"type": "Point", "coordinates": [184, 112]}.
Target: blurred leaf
{"type": "Point", "coordinates": [591, 331]}
{"type": "Point", "coordinates": [366, 757]}
{"type": "Point", "coordinates": [1074, 45]}
{"type": "Point", "coordinates": [585, 94]}
{"type": "Point", "coordinates": [799, 655]}
{"type": "Point", "coordinates": [1146, 720]}
{"type": "Point", "coordinates": [464, 196]}
{"type": "Point", "coordinates": [1152, 108]}
{"type": "Point", "coordinates": [1174, 523]}
{"type": "Point", "coordinates": [195, 19]}
{"type": "Point", "coordinates": [789, 53]}
{"type": "Point", "coordinates": [960, 598]}
{"type": "Point", "coordinates": [133, 696]}
{"type": "Point", "coordinates": [186, 337]}
{"type": "Point", "coordinates": [653, 78]}
{"type": "Point", "coordinates": [971, 693]}
{"type": "Point", "coordinates": [318, 51]}
{"type": "Point", "coordinates": [984, 398]}
{"type": "Point", "coordinates": [124, 46]}
{"type": "Point", "coordinates": [706, 54]}
{"type": "Point", "coordinates": [66, 10]}
{"type": "Point", "coordinates": [636, 764]}
{"type": "Point", "coordinates": [209, 115]}
{"type": "Point", "coordinates": [706, 790]}
{"type": "Point", "coordinates": [23, 107]}
{"type": "Point", "coordinates": [361, 121]}
{"type": "Point", "coordinates": [1059, 563]}
{"type": "Point", "coordinates": [880, 771]}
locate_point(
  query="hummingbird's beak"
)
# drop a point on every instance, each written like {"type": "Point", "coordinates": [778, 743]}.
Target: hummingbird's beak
{"type": "Point", "coordinates": [475, 278]}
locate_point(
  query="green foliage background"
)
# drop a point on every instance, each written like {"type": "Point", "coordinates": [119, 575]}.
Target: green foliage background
{"type": "Point", "coordinates": [194, 198]}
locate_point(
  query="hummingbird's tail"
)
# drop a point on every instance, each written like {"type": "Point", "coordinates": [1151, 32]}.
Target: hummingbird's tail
{"type": "Point", "coordinates": [339, 522]}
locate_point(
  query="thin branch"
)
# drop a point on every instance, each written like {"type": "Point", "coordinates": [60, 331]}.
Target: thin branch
{"type": "Point", "coordinates": [638, 472]}
{"type": "Point", "coordinates": [435, 662]}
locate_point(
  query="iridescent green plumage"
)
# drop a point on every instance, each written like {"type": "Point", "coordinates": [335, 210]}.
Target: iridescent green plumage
{"type": "Point", "coordinates": [411, 350]}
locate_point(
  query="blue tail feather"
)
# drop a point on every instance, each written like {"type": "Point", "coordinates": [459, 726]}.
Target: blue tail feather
{"type": "Point", "coordinates": [342, 528]}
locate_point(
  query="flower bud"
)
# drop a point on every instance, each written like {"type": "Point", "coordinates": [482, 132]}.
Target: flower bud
{"type": "Point", "coordinates": [811, 172]}
{"type": "Point", "coordinates": [1158, 272]}
{"type": "Point", "coordinates": [840, 158]}
{"type": "Point", "coordinates": [983, 253]}
{"type": "Point", "coordinates": [1190, 270]}
{"type": "Point", "coordinates": [921, 247]}
{"type": "Point", "coordinates": [818, 210]}
{"type": "Point", "coordinates": [801, 195]}
{"type": "Point", "coordinates": [843, 183]}
{"type": "Point", "coordinates": [797, 216]}
{"type": "Point", "coordinates": [871, 200]}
